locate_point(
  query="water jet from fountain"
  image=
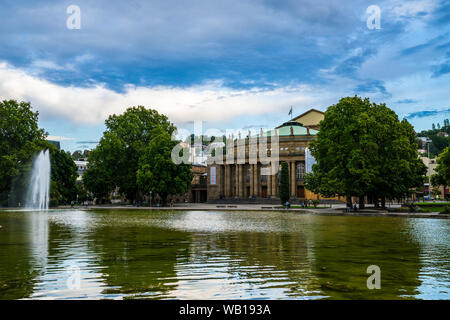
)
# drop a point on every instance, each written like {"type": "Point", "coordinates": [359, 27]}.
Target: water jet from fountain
{"type": "Point", "coordinates": [39, 189]}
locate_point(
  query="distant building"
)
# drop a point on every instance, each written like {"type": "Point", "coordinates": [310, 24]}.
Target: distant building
{"type": "Point", "coordinates": [442, 134]}
{"type": "Point", "coordinates": [310, 119]}
{"type": "Point", "coordinates": [430, 171]}
{"type": "Point", "coordinates": [81, 167]}
{"type": "Point", "coordinates": [243, 180]}
{"type": "Point", "coordinates": [198, 192]}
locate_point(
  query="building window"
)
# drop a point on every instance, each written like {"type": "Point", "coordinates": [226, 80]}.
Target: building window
{"type": "Point", "coordinates": [300, 171]}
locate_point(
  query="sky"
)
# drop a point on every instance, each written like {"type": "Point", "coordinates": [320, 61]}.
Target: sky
{"type": "Point", "coordinates": [233, 64]}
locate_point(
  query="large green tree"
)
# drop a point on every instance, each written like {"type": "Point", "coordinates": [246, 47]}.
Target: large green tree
{"type": "Point", "coordinates": [158, 173]}
{"type": "Point", "coordinates": [20, 139]}
{"type": "Point", "coordinates": [134, 154]}
{"type": "Point", "coordinates": [99, 175]}
{"type": "Point", "coordinates": [116, 158]}
{"type": "Point", "coordinates": [64, 175]}
{"type": "Point", "coordinates": [363, 149]}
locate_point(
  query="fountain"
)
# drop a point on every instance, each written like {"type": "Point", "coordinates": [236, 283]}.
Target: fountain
{"type": "Point", "coordinates": [39, 188]}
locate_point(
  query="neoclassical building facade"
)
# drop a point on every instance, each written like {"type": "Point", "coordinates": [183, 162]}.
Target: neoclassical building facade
{"type": "Point", "coordinates": [242, 175]}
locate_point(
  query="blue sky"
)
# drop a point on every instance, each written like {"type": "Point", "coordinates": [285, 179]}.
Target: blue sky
{"type": "Point", "coordinates": [232, 64]}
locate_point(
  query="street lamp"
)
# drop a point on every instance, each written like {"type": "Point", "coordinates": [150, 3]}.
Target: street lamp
{"type": "Point", "coordinates": [429, 172]}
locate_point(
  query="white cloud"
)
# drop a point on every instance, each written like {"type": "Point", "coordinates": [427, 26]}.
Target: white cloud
{"type": "Point", "coordinates": [57, 138]}
{"type": "Point", "coordinates": [211, 101]}
{"type": "Point", "coordinates": [411, 8]}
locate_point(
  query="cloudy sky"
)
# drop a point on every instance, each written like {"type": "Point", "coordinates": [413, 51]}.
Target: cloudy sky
{"type": "Point", "coordinates": [231, 63]}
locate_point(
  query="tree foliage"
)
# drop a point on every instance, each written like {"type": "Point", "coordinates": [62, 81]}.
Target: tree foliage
{"type": "Point", "coordinates": [363, 149]}
{"type": "Point", "coordinates": [442, 175]}
{"type": "Point", "coordinates": [64, 175]}
{"type": "Point", "coordinates": [125, 150]}
{"type": "Point", "coordinates": [284, 183]}
{"type": "Point", "coordinates": [158, 173]}
{"type": "Point", "coordinates": [438, 142]}
{"type": "Point", "coordinates": [20, 139]}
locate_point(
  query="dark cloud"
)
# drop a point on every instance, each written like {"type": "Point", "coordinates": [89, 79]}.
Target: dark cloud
{"type": "Point", "coordinates": [372, 86]}
{"type": "Point", "coordinates": [430, 43]}
{"type": "Point", "coordinates": [442, 69]}
{"type": "Point", "coordinates": [406, 101]}
{"type": "Point", "coordinates": [426, 113]}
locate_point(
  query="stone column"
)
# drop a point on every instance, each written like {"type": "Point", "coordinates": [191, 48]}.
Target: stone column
{"type": "Point", "coordinates": [257, 181]}
{"type": "Point", "coordinates": [252, 180]}
{"type": "Point", "coordinates": [243, 180]}
{"type": "Point", "coordinates": [236, 182]}
{"type": "Point", "coordinates": [269, 185]}
{"type": "Point", "coordinates": [239, 176]}
{"type": "Point", "coordinates": [219, 179]}
{"type": "Point", "coordinates": [293, 187]}
{"type": "Point", "coordinates": [274, 185]}
{"type": "Point", "coordinates": [227, 180]}
{"type": "Point", "coordinates": [230, 181]}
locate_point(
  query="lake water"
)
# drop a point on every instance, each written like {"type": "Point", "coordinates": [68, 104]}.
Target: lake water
{"type": "Point", "coordinates": [129, 254]}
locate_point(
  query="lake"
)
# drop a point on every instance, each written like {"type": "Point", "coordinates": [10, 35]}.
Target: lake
{"type": "Point", "coordinates": [140, 254]}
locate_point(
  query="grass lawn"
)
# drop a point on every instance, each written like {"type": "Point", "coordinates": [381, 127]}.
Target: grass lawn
{"type": "Point", "coordinates": [432, 209]}
{"type": "Point", "coordinates": [423, 209]}
{"type": "Point", "coordinates": [432, 204]}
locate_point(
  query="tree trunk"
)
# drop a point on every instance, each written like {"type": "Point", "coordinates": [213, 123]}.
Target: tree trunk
{"type": "Point", "coordinates": [164, 199]}
{"type": "Point", "coordinates": [349, 201]}
{"type": "Point", "coordinates": [361, 202]}
{"type": "Point", "coordinates": [383, 202]}
{"type": "Point", "coordinates": [375, 201]}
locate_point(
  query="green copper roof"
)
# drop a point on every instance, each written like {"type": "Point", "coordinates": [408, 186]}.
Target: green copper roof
{"type": "Point", "coordinates": [285, 130]}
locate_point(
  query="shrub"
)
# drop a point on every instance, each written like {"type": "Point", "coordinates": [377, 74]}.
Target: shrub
{"type": "Point", "coordinates": [446, 210]}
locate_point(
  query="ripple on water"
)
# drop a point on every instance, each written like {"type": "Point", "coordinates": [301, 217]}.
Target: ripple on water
{"type": "Point", "coordinates": [128, 254]}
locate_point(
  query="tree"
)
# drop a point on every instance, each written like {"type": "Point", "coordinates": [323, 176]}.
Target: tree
{"type": "Point", "coordinates": [116, 159]}
{"type": "Point", "coordinates": [158, 173]}
{"type": "Point", "coordinates": [442, 175]}
{"type": "Point", "coordinates": [433, 126]}
{"type": "Point", "coordinates": [284, 183]}
{"type": "Point", "coordinates": [20, 139]}
{"type": "Point", "coordinates": [76, 154]}
{"type": "Point", "coordinates": [63, 175]}
{"type": "Point", "coordinates": [98, 177]}
{"type": "Point", "coordinates": [363, 149]}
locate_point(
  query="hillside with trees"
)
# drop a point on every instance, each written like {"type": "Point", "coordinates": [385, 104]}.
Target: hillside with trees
{"type": "Point", "coordinates": [439, 136]}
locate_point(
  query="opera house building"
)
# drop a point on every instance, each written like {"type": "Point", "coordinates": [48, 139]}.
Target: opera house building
{"type": "Point", "coordinates": [247, 177]}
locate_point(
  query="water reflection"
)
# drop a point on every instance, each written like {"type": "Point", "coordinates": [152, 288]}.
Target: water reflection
{"type": "Point", "coordinates": [219, 255]}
